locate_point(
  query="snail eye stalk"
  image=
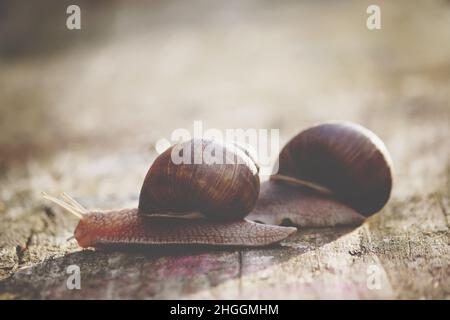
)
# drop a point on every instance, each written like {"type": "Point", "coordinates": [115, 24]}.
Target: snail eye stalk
{"type": "Point", "coordinates": [69, 204]}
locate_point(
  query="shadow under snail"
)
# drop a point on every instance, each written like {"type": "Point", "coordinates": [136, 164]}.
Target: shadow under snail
{"type": "Point", "coordinates": [335, 173]}
{"type": "Point", "coordinates": [203, 199]}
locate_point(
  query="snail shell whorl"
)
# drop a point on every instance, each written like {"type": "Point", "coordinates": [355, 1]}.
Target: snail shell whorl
{"type": "Point", "coordinates": [226, 189]}
{"type": "Point", "coordinates": [348, 159]}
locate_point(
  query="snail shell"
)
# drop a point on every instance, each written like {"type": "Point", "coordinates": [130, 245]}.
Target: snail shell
{"type": "Point", "coordinates": [343, 169]}
{"type": "Point", "coordinates": [218, 180]}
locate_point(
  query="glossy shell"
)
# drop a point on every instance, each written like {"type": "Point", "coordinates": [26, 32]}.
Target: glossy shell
{"type": "Point", "coordinates": [218, 180]}
{"type": "Point", "coordinates": [348, 159]}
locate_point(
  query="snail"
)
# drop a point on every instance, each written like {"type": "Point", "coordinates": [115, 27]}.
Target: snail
{"type": "Point", "coordinates": [197, 192]}
{"type": "Point", "coordinates": [335, 173]}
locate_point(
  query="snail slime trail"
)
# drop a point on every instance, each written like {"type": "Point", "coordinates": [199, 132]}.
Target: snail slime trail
{"type": "Point", "coordinates": [178, 206]}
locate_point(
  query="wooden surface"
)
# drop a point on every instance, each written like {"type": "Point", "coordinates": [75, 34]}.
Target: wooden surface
{"type": "Point", "coordinates": [83, 118]}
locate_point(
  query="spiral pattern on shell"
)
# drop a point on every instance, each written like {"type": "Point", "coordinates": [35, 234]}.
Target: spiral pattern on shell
{"type": "Point", "coordinates": [216, 179]}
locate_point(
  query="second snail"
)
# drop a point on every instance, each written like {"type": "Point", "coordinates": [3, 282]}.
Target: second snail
{"type": "Point", "coordinates": [330, 174]}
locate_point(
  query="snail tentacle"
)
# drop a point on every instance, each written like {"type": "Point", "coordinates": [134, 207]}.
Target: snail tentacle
{"type": "Point", "coordinates": [66, 205]}
{"type": "Point", "coordinates": [301, 183]}
{"type": "Point", "coordinates": [74, 203]}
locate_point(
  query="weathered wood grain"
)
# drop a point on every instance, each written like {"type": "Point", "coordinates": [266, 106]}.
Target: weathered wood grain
{"type": "Point", "coordinates": [89, 127]}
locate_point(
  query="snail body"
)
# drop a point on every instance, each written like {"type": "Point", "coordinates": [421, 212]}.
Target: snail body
{"type": "Point", "coordinates": [201, 200]}
{"type": "Point", "coordinates": [127, 226]}
{"type": "Point", "coordinates": [330, 174]}
{"type": "Point", "coordinates": [284, 204]}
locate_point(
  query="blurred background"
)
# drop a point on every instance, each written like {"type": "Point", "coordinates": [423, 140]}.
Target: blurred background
{"type": "Point", "coordinates": [81, 110]}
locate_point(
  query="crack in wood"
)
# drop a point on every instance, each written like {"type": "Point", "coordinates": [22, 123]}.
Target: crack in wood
{"type": "Point", "coordinates": [444, 210]}
{"type": "Point", "coordinates": [240, 268]}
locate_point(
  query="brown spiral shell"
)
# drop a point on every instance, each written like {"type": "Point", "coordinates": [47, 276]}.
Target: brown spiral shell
{"type": "Point", "coordinates": [347, 159]}
{"type": "Point", "coordinates": [216, 179]}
